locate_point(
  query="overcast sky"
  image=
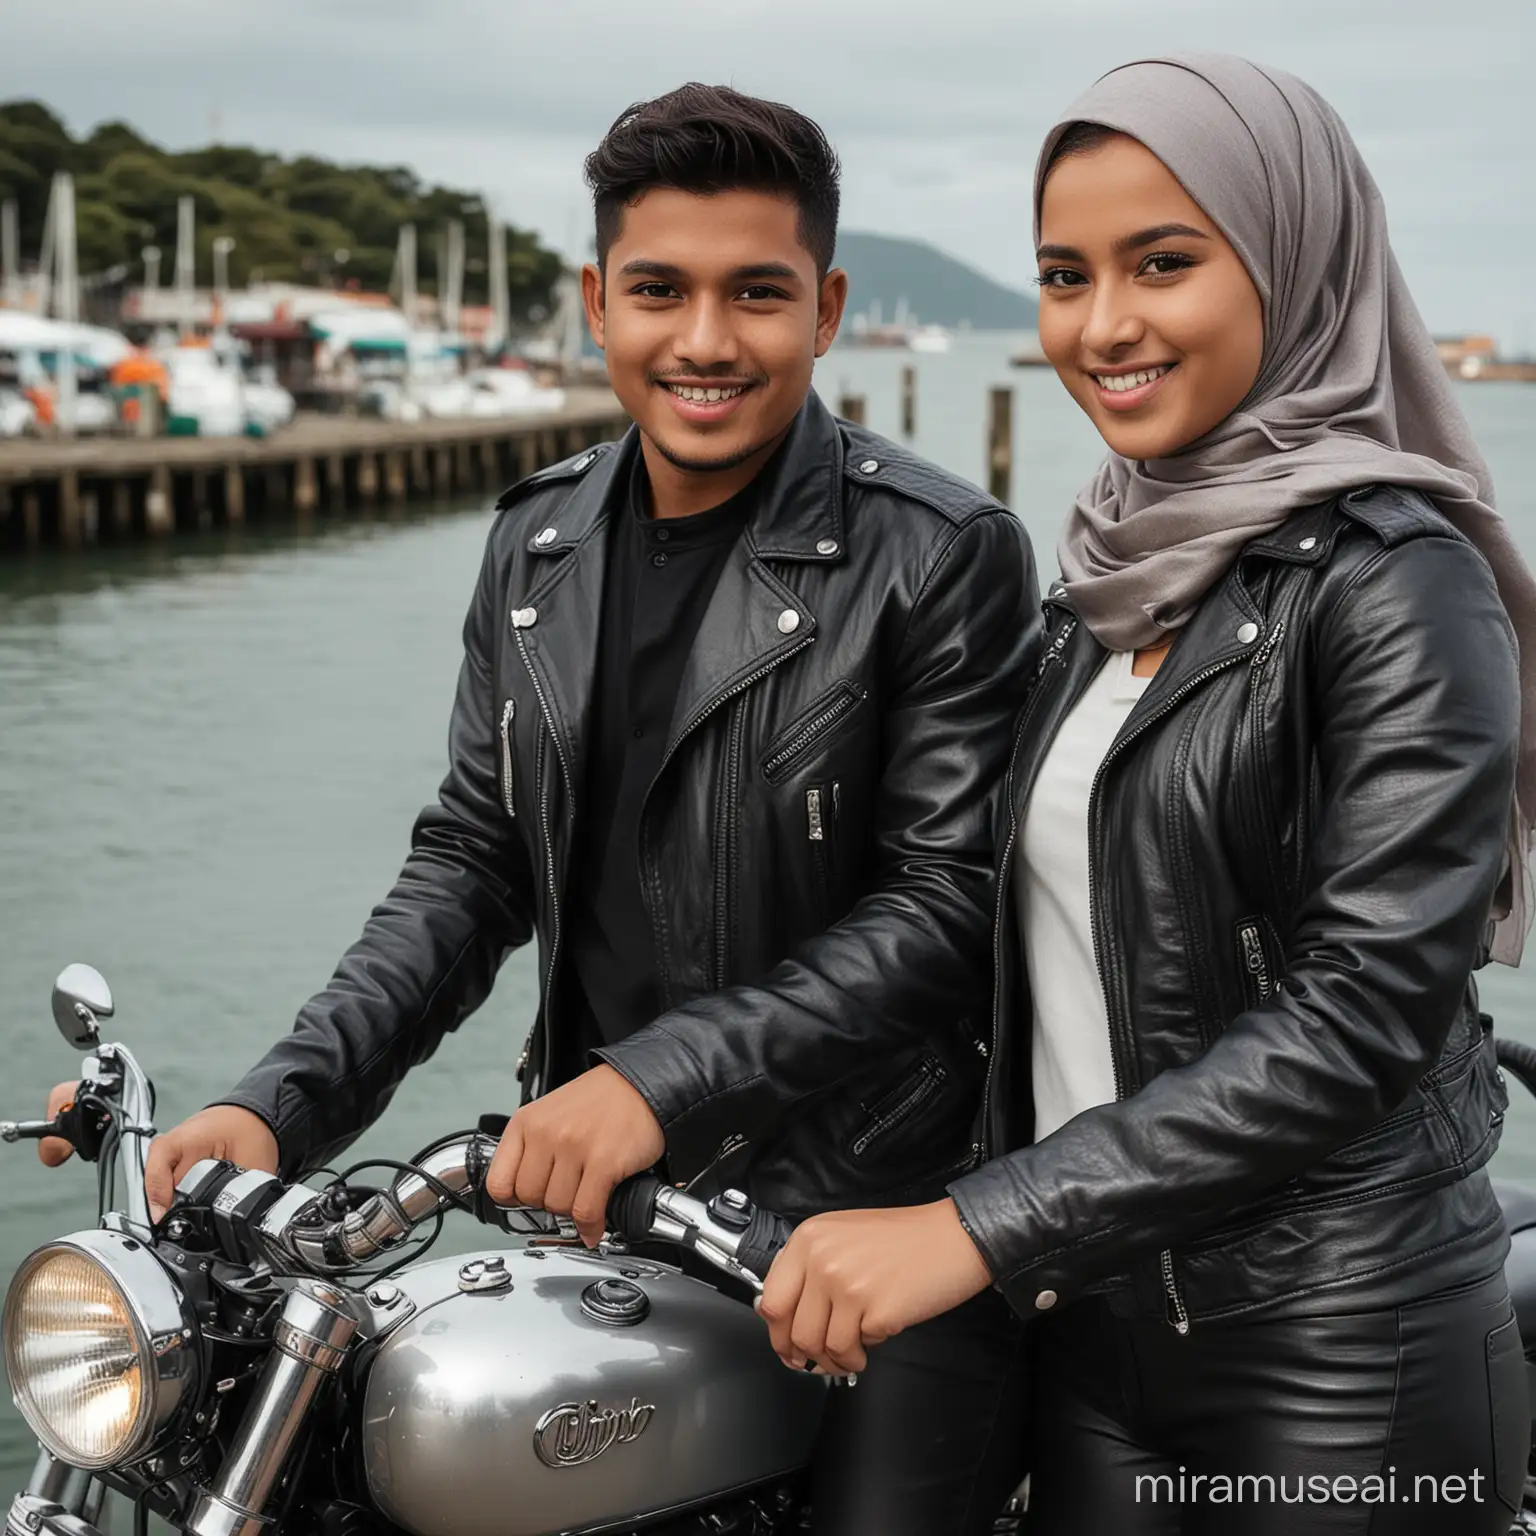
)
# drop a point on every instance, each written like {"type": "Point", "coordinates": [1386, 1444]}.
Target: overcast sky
{"type": "Point", "coordinates": [937, 109]}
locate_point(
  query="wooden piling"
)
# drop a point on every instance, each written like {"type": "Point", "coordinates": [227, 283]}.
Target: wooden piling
{"type": "Point", "coordinates": [159, 509]}
{"type": "Point", "coordinates": [202, 512]}
{"type": "Point", "coordinates": [69, 509]}
{"type": "Point", "coordinates": [234, 495]}
{"type": "Point", "coordinates": [1000, 444]}
{"type": "Point", "coordinates": [908, 401]}
{"type": "Point", "coordinates": [90, 516]}
{"type": "Point", "coordinates": [851, 408]}
{"type": "Point", "coordinates": [317, 460]}
{"type": "Point", "coordinates": [306, 488]}
{"type": "Point", "coordinates": [122, 507]}
{"type": "Point", "coordinates": [367, 478]}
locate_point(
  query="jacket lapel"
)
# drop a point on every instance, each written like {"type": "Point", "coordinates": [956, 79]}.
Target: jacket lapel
{"type": "Point", "coordinates": [754, 621]}
{"type": "Point", "coordinates": [558, 621]}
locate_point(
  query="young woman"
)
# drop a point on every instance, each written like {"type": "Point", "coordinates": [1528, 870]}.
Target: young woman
{"type": "Point", "coordinates": [1263, 826]}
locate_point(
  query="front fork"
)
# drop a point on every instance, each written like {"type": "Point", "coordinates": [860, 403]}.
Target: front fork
{"type": "Point", "coordinates": [60, 1500]}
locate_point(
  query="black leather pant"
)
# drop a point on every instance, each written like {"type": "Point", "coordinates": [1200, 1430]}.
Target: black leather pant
{"type": "Point", "coordinates": [1429, 1399]}
{"type": "Point", "coordinates": [933, 1439]}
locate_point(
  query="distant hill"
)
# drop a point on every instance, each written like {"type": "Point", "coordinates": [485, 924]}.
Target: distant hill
{"type": "Point", "coordinates": [938, 289]}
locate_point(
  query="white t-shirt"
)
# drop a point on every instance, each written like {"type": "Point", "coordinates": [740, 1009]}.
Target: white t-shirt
{"type": "Point", "coordinates": [1072, 1066]}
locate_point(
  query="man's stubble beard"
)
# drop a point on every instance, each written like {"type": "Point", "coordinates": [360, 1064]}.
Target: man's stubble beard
{"type": "Point", "coordinates": [714, 466]}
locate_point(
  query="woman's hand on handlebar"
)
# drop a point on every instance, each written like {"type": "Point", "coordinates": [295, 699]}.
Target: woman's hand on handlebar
{"type": "Point", "coordinates": [851, 1279]}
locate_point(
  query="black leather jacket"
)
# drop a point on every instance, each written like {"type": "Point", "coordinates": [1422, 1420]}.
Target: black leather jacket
{"type": "Point", "coordinates": [1294, 845]}
{"type": "Point", "coordinates": [816, 851]}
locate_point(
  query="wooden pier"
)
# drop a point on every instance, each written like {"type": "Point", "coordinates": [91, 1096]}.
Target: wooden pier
{"type": "Point", "coordinates": [72, 493]}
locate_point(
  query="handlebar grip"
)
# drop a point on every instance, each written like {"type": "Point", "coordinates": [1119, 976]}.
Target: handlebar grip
{"type": "Point", "coordinates": [761, 1242]}
{"type": "Point", "coordinates": [632, 1206]}
{"type": "Point", "coordinates": [1517, 1057]}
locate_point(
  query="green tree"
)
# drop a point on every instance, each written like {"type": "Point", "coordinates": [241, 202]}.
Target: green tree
{"type": "Point", "coordinates": [288, 218]}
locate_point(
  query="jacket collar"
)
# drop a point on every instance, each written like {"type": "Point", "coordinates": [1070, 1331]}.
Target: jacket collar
{"type": "Point", "coordinates": [753, 621]}
{"type": "Point", "coordinates": [797, 515]}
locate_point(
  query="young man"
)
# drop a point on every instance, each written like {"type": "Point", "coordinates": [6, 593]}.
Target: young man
{"type": "Point", "coordinates": [735, 699]}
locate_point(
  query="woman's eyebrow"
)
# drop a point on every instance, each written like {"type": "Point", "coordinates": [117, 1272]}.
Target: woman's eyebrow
{"type": "Point", "coordinates": [1059, 253]}
{"type": "Point", "coordinates": [1154, 234]}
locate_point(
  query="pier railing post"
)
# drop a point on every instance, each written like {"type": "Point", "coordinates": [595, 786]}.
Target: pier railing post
{"type": "Point", "coordinates": [1000, 444]}
{"type": "Point", "coordinates": [908, 401]}
{"type": "Point", "coordinates": [851, 408]}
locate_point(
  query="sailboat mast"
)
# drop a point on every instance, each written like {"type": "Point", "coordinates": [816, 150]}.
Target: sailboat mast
{"type": "Point", "coordinates": [186, 263]}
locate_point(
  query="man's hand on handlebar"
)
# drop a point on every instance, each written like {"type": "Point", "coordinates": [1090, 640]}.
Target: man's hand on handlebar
{"type": "Point", "coordinates": [224, 1131]}
{"type": "Point", "coordinates": [53, 1150]}
{"type": "Point", "coordinates": [566, 1152]}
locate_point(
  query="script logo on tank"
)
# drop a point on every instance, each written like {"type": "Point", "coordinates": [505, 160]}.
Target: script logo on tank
{"type": "Point", "coordinates": [576, 1433]}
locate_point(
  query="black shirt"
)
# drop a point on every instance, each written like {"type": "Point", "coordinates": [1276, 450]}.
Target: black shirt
{"type": "Point", "coordinates": [661, 575]}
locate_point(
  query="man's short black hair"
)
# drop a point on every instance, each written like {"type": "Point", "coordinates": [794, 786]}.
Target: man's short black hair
{"type": "Point", "coordinates": [709, 138]}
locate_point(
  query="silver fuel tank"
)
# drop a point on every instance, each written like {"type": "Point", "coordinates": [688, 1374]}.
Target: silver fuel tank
{"type": "Point", "coordinates": [537, 1391]}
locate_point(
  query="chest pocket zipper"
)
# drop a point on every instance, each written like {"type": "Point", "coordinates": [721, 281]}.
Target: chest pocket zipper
{"type": "Point", "coordinates": [902, 1102]}
{"type": "Point", "coordinates": [509, 709]}
{"type": "Point", "coordinates": [824, 717]}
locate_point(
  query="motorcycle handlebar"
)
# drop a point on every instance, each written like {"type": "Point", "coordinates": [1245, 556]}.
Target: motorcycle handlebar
{"type": "Point", "coordinates": [730, 1231]}
{"type": "Point", "coordinates": [1517, 1057]}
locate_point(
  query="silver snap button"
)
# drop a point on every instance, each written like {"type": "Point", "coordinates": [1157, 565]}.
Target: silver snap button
{"type": "Point", "coordinates": [789, 622]}
{"type": "Point", "coordinates": [1045, 1301]}
{"type": "Point", "coordinates": [546, 536]}
{"type": "Point", "coordinates": [869, 466]}
{"type": "Point", "coordinates": [1308, 543]}
{"type": "Point", "coordinates": [1248, 633]}
{"type": "Point", "coordinates": [524, 618]}
{"type": "Point", "coordinates": [584, 461]}
{"type": "Point", "coordinates": [827, 547]}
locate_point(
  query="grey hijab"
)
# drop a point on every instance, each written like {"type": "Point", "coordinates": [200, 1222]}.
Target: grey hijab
{"type": "Point", "coordinates": [1349, 392]}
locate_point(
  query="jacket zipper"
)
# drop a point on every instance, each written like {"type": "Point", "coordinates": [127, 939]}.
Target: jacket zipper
{"type": "Point", "coordinates": [1177, 1315]}
{"type": "Point", "coordinates": [1096, 826]}
{"type": "Point", "coordinates": [815, 828]}
{"type": "Point", "coordinates": [725, 823]}
{"type": "Point", "coordinates": [1254, 961]}
{"type": "Point", "coordinates": [930, 1078]}
{"type": "Point", "coordinates": [1053, 652]}
{"type": "Point", "coordinates": [803, 739]}
{"type": "Point", "coordinates": [709, 708]}
{"type": "Point", "coordinates": [549, 840]}
{"type": "Point", "coordinates": [507, 711]}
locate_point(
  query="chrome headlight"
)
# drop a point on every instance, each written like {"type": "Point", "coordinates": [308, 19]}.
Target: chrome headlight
{"type": "Point", "coordinates": [99, 1347]}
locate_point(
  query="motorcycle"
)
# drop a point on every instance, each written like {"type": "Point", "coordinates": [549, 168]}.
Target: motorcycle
{"type": "Point", "coordinates": [273, 1359]}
